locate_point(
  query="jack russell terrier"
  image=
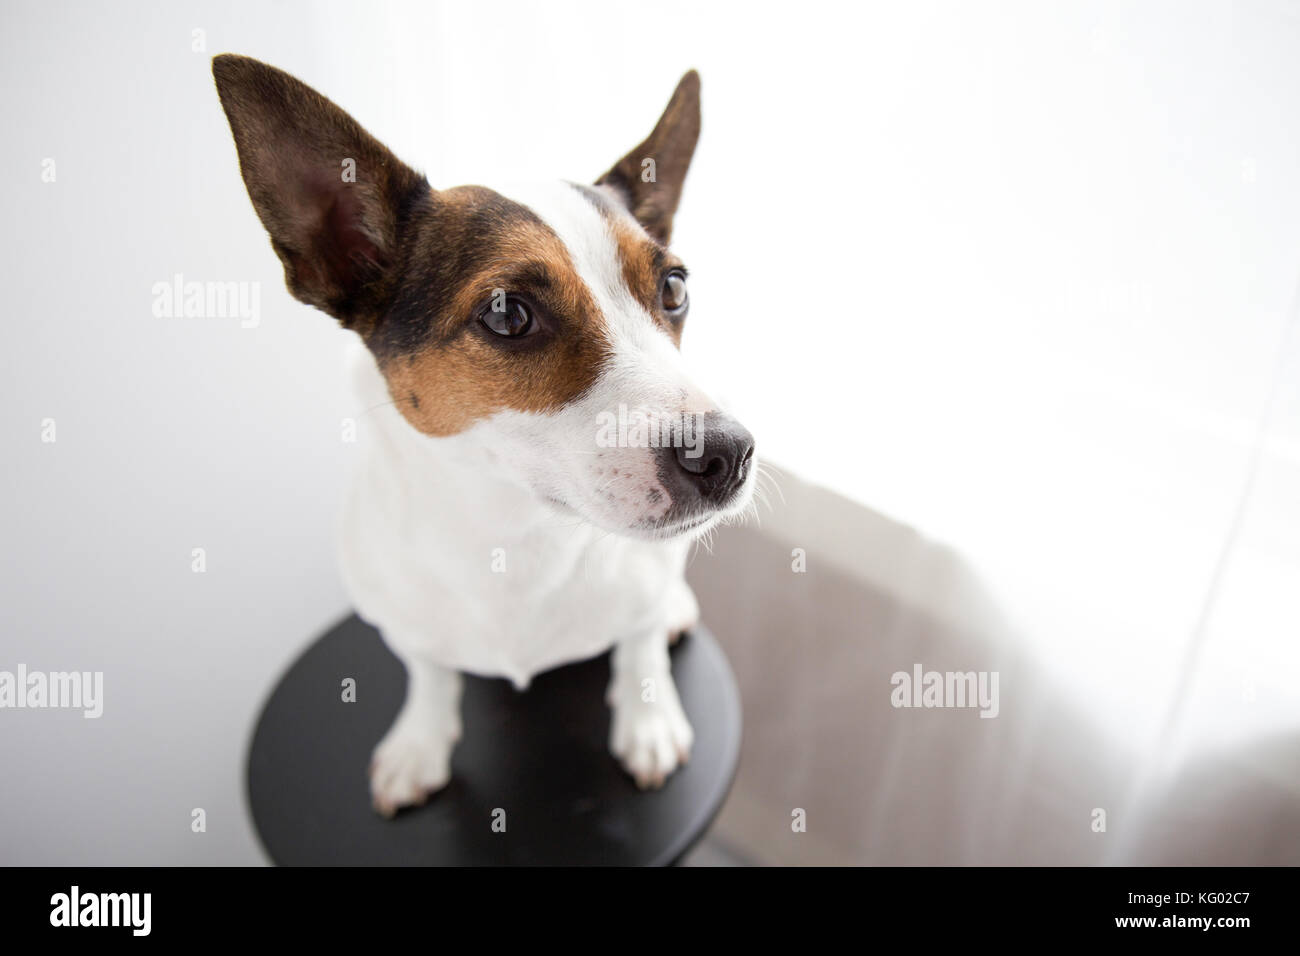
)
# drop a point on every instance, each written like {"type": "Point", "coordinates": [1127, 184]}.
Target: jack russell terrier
{"type": "Point", "coordinates": [494, 526]}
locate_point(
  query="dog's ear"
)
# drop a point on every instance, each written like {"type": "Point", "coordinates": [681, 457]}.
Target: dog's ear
{"type": "Point", "coordinates": [332, 197]}
{"type": "Point", "coordinates": [650, 177]}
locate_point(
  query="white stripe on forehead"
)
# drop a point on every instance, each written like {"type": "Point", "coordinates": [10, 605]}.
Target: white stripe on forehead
{"type": "Point", "coordinates": [585, 232]}
{"type": "Point", "coordinates": [645, 366]}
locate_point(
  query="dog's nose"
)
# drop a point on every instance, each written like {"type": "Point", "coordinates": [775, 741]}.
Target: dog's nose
{"type": "Point", "coordinates": [716, 464]}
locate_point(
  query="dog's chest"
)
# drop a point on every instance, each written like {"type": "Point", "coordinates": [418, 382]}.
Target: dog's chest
{"type": "Point", "coordinates": [570, 606]}
{"type": "Point", "coordinates": [451, 568]}
{"type": "Point", "coordinates": [494, 605]}
{"type": "Point", "coordinates": [449, 576]}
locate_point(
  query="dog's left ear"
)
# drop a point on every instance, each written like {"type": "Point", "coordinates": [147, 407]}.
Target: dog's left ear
{"type": "Point", "coordinates": [333, 199]}
{"type": "Point", "coordinates": [650, 177]}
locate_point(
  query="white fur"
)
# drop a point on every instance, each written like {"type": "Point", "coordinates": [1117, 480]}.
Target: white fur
{"type": "Point", "coordinates": [512, 548]}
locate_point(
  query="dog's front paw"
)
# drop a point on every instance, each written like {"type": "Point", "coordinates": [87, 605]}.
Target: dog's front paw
{"type": "Point", "coordinates": [649, 732]}
{"type": "Point", "coordinates": [408, 765]}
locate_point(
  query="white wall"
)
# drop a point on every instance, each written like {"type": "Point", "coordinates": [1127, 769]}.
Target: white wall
{"type": "Point", "coordinates": [1017, 274]}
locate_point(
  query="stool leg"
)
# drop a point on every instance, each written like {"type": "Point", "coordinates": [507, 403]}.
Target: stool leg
{"type": "Point", "coordinates": [414, 758]}
{"type": "Point", "coordinates": [649, 732]}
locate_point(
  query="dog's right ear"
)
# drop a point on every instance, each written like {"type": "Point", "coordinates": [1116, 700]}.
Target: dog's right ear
{"type": "Point", "coordinates": [650, 178]}
{"type": "Point", "coordinates": [332, 197]}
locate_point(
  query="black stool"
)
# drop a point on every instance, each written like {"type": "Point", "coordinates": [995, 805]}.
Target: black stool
{"type": "Point", "coordinates": [540, 756]}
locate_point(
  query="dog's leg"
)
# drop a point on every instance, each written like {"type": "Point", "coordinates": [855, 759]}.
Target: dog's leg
{"type": "Point", "coordinates": [683, 610]}
{"type": "Point", "coordinates": [414, 758]}
{"type": "Point", "coordinates": [649, 733]}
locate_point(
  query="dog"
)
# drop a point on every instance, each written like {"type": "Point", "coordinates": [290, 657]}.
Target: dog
{"type": "Point", "coordinates": [503, 521]}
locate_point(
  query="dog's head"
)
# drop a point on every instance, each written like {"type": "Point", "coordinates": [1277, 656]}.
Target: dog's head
{"type": "Point", "coordinates": [545, 322]}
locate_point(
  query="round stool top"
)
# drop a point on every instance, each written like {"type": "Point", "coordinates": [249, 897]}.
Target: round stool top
{"type": "Point", "coordinates": [536, 762]}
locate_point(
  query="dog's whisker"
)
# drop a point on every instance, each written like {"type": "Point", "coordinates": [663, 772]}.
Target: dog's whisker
{"type": "Point", "coordinates": [768, 474]}
{"type": "Point", "coordinates": [389, 404]}
{"type": "Point", "coordinates": [611, 481]}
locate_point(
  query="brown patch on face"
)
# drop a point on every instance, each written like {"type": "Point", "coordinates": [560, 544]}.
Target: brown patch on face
{"type": "Point", "coordinates": [645, 262]}
{"type": "Point", "coordinates": [449, 370]}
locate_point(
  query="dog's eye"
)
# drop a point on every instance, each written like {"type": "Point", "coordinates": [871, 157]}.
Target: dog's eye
{"type": "Point", "coordinates": [512, 321]}
{"type": "Point", "coordinates": [674, 295]}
